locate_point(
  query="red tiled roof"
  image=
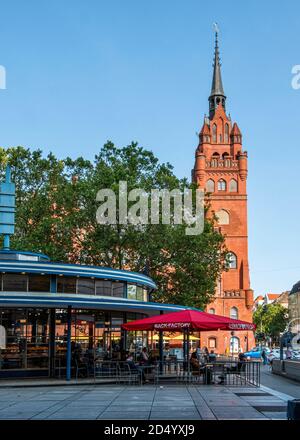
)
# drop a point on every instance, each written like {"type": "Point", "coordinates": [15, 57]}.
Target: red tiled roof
{"type": "Point", "coordinates": [273, 295]}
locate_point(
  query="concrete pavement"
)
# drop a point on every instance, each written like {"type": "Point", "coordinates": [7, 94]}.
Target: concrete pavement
{"type": "Point", "coordinates": [279, 383]}
{"type": "Point", "coordinates": [114, 402]}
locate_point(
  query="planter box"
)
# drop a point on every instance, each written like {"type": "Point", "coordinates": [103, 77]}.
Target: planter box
{"type": "Point", "coordinates": [292, 369]}
{"type": "Point", "coordinates": [278, 366]}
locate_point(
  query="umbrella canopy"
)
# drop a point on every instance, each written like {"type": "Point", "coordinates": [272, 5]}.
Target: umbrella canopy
{"type": "Point", "coordinates": [188, 320]}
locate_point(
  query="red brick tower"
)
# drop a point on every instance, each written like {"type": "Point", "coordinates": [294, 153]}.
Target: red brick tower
{"type": "Point", "coordinates": [221, 169]}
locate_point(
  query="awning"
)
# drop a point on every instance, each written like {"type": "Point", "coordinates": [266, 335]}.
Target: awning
{"type": "Point", "coordinates": [189, 320]}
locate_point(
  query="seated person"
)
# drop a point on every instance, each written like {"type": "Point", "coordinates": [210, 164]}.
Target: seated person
{"type": "Point", "coordinates": [194, 363]}
{"type": "Point", "coordinates": [212, 356]}
{"type": "Point", "coordinates": [133, 366]}
{"type": "Point", "coordinates": [144, 357]}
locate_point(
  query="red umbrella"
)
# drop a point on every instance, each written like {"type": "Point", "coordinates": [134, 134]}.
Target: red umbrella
{"type": "Point", "coordinates": [188, 320]}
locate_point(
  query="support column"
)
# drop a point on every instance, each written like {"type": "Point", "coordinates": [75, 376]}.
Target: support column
{"type": "Point", "coordinates": [161, 348]}
{"type": "Point", "coordinates": [188, 350]}
{"type": "Point", "coordinates": [69, 354]}
{"type": "Point", "coordinates": [52, 343]}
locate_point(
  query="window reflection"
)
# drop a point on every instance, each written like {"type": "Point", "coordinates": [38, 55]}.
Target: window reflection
{"type": "Point", "coordinates": [14, 281]}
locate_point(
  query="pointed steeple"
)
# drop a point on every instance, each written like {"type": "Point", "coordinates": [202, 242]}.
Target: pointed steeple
{"type": "Point", "coordinates": [217, 95]}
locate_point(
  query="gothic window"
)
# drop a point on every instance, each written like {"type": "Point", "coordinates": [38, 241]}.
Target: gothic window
{"type": "Point", "coordinates": [221, 185]}
{"type": "Point", "coordinates": [212, 343]}
{"type": "Point", "coordinates": [220, 138]}
{"type": "Point", "coordinates": [210, 186]}
{"type": "Point", "coordinates": [226, 132]}
{"type": "Point", "coordinates": [212, 311]}
{"type": "Point", "coordinates": [234, 344]}
{"type": "Point", "coordinates": [214, 133]}
{"type": "Point", "coordinates": [233, 186]}
{"type": "Point", "coordinates": [234, 313]}
{"type": "Point", "coordinates": [231, 260]}
{"type": "Point", "coordinates": [223, 217]}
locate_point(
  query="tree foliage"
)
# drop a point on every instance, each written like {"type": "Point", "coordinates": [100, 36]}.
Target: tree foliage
{"type": "Point", "coordinates": [270, 319]}
{"type": "Point", "coordinates": [56, 215]}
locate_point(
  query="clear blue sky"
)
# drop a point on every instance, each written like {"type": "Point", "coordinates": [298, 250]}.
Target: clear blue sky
{"type": "Point", "coordinates": [82, 72]}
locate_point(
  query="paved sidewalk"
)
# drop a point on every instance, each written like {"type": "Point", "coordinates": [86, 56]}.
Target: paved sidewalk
{"type": "Point", "coordinates": [113, 402]}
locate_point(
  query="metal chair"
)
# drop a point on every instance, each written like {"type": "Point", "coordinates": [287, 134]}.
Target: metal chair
{"type": "Point", "coordinates": [81, 367]}
{"type": "Point", "coordinates": [106, 370]}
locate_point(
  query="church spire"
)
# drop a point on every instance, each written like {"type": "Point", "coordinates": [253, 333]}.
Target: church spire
{"type": "Point", "coordinates": [217, 93]}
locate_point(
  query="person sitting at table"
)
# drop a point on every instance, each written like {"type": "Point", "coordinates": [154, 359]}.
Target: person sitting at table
{"type": "Point", "coordinates": [133, 366]}
{"type": "Point", "coordinates": [238, 367]}
{"type": "Point", "coordinates": [144, 357]}
{"type": "Point", "coordinates": [212, 356]}
{"type": "Point", "coordinates": [194, 364]}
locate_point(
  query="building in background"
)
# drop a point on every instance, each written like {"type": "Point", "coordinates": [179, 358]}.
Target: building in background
{"type": "Point", "coordinates": [294, 303]}
{"type": "Point", "coordinates": [259, 301]}
{"type": "Point", "coordinates": [221, 169]}
{"type": "Point", "coordinates": [283, 299]}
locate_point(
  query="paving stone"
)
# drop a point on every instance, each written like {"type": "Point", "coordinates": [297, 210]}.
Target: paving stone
{"type": "Point", "coordinates": [125, 416]}
{"type": "Point", "coordinates": [236, 413]}
{"type": "Point", "coordinates": [275, 415]}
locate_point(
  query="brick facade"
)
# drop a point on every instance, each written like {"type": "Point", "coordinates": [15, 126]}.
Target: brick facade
{"type": "Point", "coordinates": [221, 169]}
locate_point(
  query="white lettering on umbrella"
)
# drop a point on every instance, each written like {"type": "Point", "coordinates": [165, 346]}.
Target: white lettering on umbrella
{"type": "Point", "coordinates": [172, 325]}
{"type": "Point", "coordinates": [241, 326]}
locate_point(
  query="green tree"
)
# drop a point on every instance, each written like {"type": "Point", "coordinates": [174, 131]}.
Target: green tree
{"type": "Point", "coordinates": [270, 319]}
{"type": "Point", "coordinates": [56, 214]}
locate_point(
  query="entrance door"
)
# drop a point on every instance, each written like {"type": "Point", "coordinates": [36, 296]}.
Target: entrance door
{"type": "Point", "coordinates": [234, 344]}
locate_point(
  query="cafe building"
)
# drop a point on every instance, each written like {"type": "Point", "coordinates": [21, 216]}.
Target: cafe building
{"type": "Point", "coordinates": [47, 308]}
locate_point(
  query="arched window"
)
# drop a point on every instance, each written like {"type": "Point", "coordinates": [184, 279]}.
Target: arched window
{"type": "Point", "coordinates": [214, 131]}
{"type": "Point", "coordinates": [212, 311]}
{"type": "Point", "coordinates": [233, 186]}
{"type": "Point", "coordinates": [226, 133]}
{"type": "Point", "coordinates": [210, 186]}
{"type": "Point", "coordinates": [225, 155]}
{"type": "Point", "coordinates": [234, 344]}
{"type": "Point", "coordinates": [234, 313]}
{"type": "Point", "coordinates": [212, 343]}
{"type": "Point", "coordinates": [232, 260]}
{"type": "Point", "coordinates": [223, 217]}
{"type": "Point", "coordinates": [221, 185]}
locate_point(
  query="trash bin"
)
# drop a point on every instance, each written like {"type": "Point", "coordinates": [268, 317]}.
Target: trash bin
{"type": "Point", "coordinates": [293, 409]}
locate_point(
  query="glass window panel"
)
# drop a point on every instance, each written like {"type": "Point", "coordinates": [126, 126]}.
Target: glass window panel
{"type": "Point", "coordinates": [233, 187]}
{"type": "Point", "coordinates": [103, 288]}
{"type": "Point", "coordinates": [14, 282]}
{"type": "Point", "coordinates": [39, 283]}
{"type": "Point", "coordinates": [131, 291]}
{"type": "Point", "coordinates": [118, 289]}
{"type": "Point", "coordinates": [210, 185]}
{"type": "Point", "coordinates": [145, 295]}
{"type": "Point", "coordinates": [86, 286]}
{"type": "Point", "coordinates": [234, 313]}
{"type": "Point", "coordinates": [66, 285]}
{"type": "Point", "coordinates": [139, 293]}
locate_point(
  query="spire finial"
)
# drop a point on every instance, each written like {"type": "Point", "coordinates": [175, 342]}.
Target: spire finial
{"type": "Point", "coordinates": [217, 93]}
